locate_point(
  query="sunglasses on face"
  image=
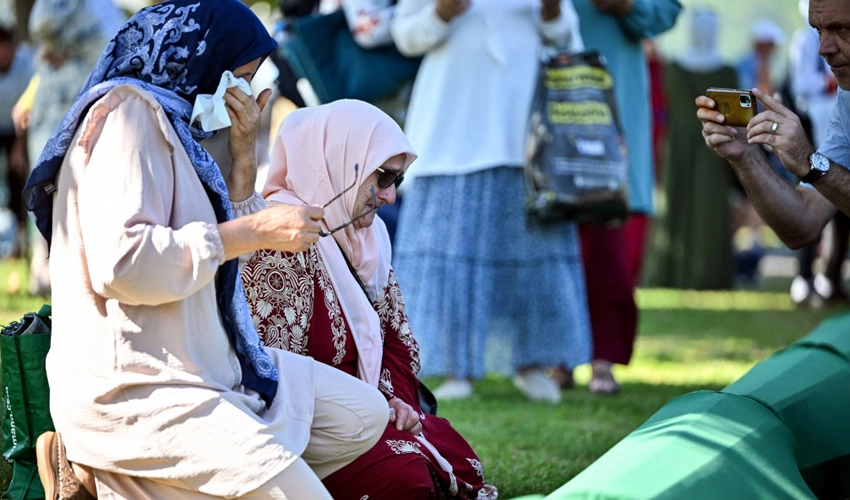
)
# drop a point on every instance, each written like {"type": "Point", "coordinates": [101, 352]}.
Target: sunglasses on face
{"type": "Point", "coordinates": [329, 232]}
{"type": "Point", "coordinates": [387, 178]}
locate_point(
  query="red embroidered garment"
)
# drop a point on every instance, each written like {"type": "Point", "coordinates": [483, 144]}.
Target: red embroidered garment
{"type": "Point", "coordinates": [296, 308]}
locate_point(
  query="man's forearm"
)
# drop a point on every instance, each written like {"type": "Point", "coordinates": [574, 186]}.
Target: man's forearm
{"type": "Point", "coordinates": [835, 186]}
{"type": "Point", "coordinates": [785, 208]}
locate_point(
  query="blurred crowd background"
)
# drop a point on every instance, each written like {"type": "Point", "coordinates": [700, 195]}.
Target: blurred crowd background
{"type": "Point", "coordinates": [701, 233]}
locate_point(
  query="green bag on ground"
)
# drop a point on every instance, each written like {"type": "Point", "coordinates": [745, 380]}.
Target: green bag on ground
{"type": "Point", "coordinates": [26, 399]}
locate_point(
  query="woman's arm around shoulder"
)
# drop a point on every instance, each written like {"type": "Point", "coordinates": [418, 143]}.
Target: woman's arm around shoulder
{"type": "Point", "coordinates": [126, 201]}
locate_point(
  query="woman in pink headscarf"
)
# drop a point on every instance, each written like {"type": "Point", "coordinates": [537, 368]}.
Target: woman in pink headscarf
{"type": "Point", "coordinates": [339, 301]}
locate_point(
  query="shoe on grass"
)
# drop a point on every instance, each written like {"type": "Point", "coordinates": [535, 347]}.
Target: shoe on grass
{"type": "Point", "coordinates": [562, 376]}
{"type": "Point", "coordinates": [537, 386]}
{"type": "Point", "coordinates": [602, 380]}
{"type": "Point", "coordinates": [454, 389]}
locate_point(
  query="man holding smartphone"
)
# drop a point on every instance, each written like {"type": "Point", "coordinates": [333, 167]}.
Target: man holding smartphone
{"type": "Point", "coordinates": [796, 214]}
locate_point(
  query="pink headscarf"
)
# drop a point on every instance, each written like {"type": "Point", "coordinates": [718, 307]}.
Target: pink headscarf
{"type": "Point", "coordinates": [312, 160]}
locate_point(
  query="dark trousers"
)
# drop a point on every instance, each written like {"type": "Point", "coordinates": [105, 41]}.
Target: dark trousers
{"type": "Point", "coordinates": [610, 292]}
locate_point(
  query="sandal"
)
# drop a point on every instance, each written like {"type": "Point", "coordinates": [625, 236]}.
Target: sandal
{"type": "Point", "coordinates": [562, 377]}
{"type": "Point", "coordinates": [602, 381]}
{"type": "Point", "coordinates": [56, 474]}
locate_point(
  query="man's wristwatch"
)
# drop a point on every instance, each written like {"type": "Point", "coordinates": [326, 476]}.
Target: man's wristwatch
{"type": "Point", "coordinates": [818, 167]}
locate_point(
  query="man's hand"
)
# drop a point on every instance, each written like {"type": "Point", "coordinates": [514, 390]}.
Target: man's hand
{"type": "Point", "coordinates": [781, 129]}
{"type": "Point", "coordinates": [614, 7]}
{"type": "Point", "coordinates": [449, 9]}
{"type": "Point", "coordinates": [245, 116]}
{"type": "Point", "coordinates": [730, 143]}
{"type": "Point", "coordinates": [404, 417]}
{"type": "Point", "coordinates": [796, 214]}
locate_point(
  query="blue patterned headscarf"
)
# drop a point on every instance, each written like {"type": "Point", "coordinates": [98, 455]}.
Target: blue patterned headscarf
{"type": "Point", "coordinates": [175, 50]}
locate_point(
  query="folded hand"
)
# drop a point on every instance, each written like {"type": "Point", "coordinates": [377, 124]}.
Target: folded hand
{"type": "Point", "coordinates": [404, 417]}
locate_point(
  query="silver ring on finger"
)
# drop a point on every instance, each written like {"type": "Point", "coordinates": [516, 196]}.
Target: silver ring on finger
{"type": "Point", "coordinates": [774, 127]}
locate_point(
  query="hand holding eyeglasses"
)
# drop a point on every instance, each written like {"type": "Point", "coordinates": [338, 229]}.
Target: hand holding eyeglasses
{"type": "Point", "coordinates": [404, 416]}
{"type": "Point", "coordinates": [289, 228]}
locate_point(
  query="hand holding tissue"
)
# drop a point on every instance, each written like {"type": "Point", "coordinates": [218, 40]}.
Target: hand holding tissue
{"type": "Point", "coordinates": [210, 109]}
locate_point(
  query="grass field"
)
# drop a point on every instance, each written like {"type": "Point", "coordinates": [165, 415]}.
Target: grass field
{"type": "Point", "coordinates": [687, 341]}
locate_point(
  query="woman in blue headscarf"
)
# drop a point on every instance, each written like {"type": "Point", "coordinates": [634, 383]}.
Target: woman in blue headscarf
{"type": "Point", "coordinates": [160, 387]}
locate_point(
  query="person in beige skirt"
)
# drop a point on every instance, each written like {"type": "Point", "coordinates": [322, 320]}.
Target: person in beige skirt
{"type": "Point", "coordinates": [160, 387]}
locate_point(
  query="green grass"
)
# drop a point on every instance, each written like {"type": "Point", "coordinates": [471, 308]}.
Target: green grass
{"type": "Point", "coordinates": [14, 275]}
{"type": "Point", "coordinates": [687, 341]}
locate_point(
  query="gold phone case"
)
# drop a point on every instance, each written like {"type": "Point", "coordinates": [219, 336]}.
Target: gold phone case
{"type": "Point", "coordinates": [738, 106]}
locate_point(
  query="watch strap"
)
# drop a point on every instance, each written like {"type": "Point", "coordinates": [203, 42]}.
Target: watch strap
{"type": "Point", "coordinates": [812, 176]}
{"type": "Point", "coordinates": [814, 173]}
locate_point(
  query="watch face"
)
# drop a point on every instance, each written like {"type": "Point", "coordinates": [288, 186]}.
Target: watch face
{"type": "Point", "coordinates": [819, 166]}
{"type": "Point", "coordinates": [819, 162]}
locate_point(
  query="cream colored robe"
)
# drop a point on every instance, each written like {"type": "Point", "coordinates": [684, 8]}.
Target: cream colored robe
{"type": "Point", "coordinates": [143, 379]}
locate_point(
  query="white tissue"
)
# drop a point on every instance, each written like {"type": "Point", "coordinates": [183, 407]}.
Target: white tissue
{"type": "Point", "coordinates": [210, 108]}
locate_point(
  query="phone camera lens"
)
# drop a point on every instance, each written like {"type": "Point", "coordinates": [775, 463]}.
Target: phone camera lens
{"type": "Point", "coordinates": [745, 101]}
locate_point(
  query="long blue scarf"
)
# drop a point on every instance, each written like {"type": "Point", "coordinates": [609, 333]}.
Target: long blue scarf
{"type": "Point", "coordinates": [175, 50]}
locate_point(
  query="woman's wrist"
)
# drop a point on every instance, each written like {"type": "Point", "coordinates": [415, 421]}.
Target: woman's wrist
{"type": "Point", "coordinates": [241, 179]}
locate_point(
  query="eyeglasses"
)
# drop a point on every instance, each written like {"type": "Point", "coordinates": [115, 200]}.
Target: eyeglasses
{"type": "Point", "coordinates": [324, 233]}
{"type": "Point", "coordinates": [387, 178]}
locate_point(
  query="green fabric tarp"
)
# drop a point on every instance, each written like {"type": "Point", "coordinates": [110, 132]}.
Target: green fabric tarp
{"type": "Point", "coordinates": [701, 445]}
{"type": "Point", "coordinates": [809, 389]}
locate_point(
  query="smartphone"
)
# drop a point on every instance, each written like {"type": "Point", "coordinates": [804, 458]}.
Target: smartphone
{"type": "Point", "coordinates": [738, 106]}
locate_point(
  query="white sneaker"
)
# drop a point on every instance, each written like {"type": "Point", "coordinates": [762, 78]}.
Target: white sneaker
{"type": "Point", "coordinates": [823, 286]}
{"type": "Point", "coordinates": [537, 386]}
{"type": "Point", "coordinates": [800, 289]}
{"type": "Point", "coordinates": [453, 389]}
